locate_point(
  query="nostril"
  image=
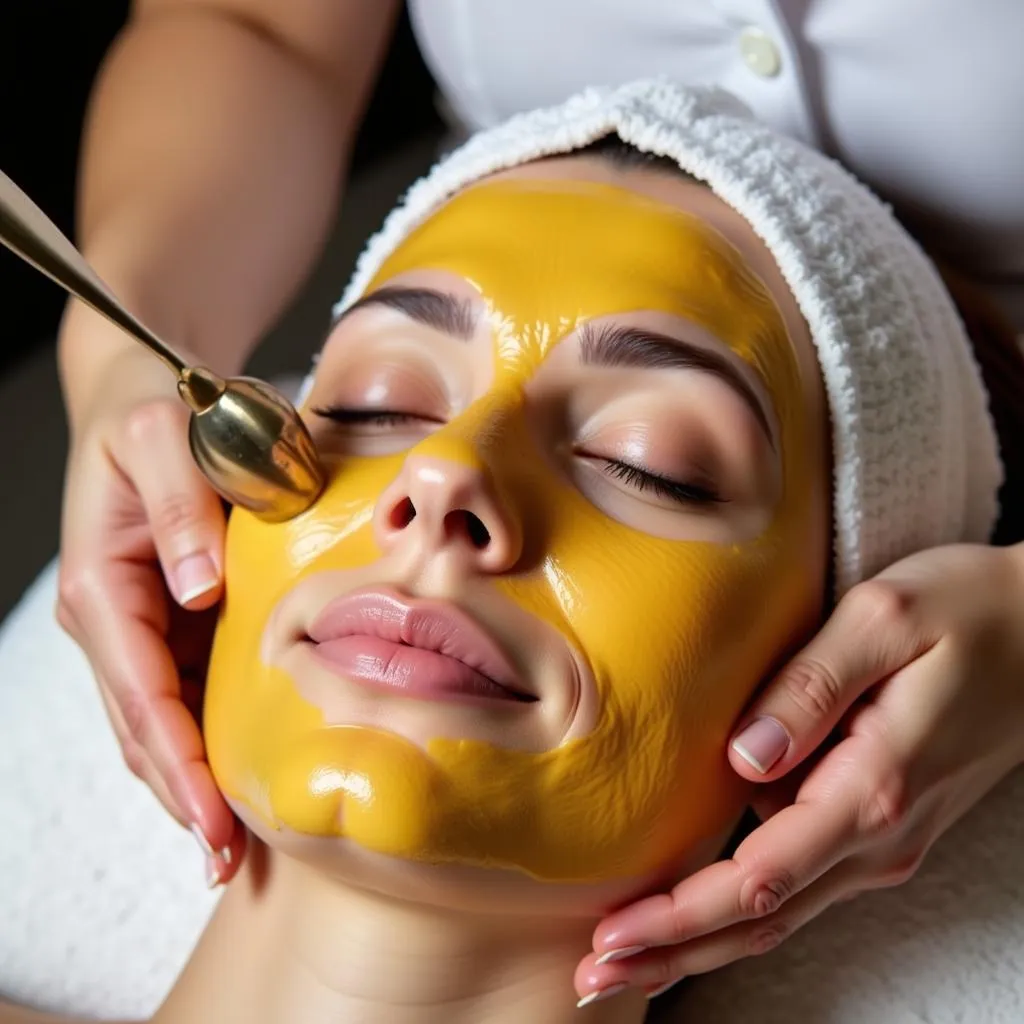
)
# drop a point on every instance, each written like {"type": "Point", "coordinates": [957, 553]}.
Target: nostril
{"type": "Point", "coordinates": [402, 514]}
{"type": "Point", "coordinates": [478, 533]}
{"type": "Point", "coordinates": [468, 525]}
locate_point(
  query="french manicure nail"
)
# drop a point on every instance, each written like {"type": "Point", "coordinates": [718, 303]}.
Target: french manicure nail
{"type": "Point", "coordinates": [601, 993]}
{"type": "Point", "coordinates": [663, 989]}
{"type": "Point", "coordinates": [762, 743]}
{"type": "Point", "coordinates": [193, 577]}
{"type": "Point", "coordinates": [212, 874]}
{"type": "Point", "coordinates": [201, 839]}
{"type": "Point", "coordinates": [225, 854]}
{"type": "Point", "coordinates": [619, 954]}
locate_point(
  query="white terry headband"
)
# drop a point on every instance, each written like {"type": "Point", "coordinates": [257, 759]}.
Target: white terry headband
{"type": "Point", "coordinates": [915, 454]}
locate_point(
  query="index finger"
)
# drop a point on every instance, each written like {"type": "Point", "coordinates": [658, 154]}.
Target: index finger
{"type": "Point", "coordinates": [778, 859]}
{"type": "Point", "coordinates": [127, 648]}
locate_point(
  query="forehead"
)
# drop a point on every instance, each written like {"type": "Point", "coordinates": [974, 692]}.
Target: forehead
{"type": "Point", "coordinates": [546, 255]}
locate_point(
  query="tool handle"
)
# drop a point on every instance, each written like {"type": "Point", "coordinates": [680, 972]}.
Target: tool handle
{"type": "Point", "coordinates": [30, 234]}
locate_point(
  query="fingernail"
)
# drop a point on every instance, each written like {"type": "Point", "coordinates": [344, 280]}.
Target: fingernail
{"type": "Point", "coordinates": [664, 988]}
{"type": "Point", "coordinates": [762, 743]}
{"type": "Point", "coordinates": [193, 577]}
{"type": "Point", "coordinates": [201, 839]}
{"type": "Point", "coordinates": [225, 854]}
{"type": "Point", "coordinates": [601, 993]}
{"type": "Point", "coordinates": [619, 954]}
{"type": "Point", "coordinates": [212, 874]}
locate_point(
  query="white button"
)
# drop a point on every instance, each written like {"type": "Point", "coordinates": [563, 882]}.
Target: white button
{"type": "Point", "coordinates": [759, 52]}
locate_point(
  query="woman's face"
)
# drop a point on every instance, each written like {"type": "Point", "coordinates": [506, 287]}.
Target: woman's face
{"type": "Point", "coordinates": [576, 510]}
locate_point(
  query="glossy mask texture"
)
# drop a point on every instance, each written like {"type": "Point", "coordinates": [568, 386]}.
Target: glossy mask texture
{"type": "Point", "coordinates": [677, 633]}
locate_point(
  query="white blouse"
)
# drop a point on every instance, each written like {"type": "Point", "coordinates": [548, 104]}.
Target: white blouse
{"type": "Point", "coordinates": [922, 99]}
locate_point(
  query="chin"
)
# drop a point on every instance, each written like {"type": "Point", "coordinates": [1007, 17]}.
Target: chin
{"type": "Point", "coordinates": [462, 888]}
{"type": "Point", "coordinates": [465, 888]}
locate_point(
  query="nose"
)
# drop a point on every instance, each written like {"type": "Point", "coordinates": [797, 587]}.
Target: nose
{"type": "Point", "coordinates": [437, 505]}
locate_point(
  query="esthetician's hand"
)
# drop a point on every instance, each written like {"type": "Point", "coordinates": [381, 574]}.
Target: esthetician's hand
{"type": "Point", "coordinates": [141, 557]}
{"type": "Point", "coordinates": [922, 669]}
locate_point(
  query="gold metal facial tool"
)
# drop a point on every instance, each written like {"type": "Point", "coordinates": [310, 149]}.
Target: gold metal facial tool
{"type": "Point", "coordinates": [245, 436]}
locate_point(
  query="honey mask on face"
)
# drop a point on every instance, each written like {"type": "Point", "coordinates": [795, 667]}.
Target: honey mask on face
{"type": "Point", "coordinates": [670, 634]}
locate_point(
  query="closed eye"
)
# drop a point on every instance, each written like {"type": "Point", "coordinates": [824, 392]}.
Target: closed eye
{"type": "Point", "coordinates": [349, 416]}
{"type": "Point", "coordinates": [664, 487]}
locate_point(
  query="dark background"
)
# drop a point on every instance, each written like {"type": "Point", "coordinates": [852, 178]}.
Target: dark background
{"type": "Point", "coordinates": [50, 51]}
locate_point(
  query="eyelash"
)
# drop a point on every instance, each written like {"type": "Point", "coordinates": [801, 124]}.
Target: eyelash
{"type": "Point", "coordinates": [663, 487]}
{"type": "Point", "coordinates": [374, 417]}
{"type": "Point", "coordinates": [637, 478]}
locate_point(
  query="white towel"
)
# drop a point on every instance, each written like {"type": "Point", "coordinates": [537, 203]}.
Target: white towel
{"type": "Point", "coordinates": [102, 896]}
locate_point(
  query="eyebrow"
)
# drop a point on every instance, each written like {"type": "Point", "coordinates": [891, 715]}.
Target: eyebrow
{"type": "Point", "coordinates": [613, 345]}
{"type": "Point", "coordinates": [439, 310]}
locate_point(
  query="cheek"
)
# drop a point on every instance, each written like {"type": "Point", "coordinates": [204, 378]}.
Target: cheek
{"type": "Point", "coordinates": [251, 708]}
{"type": "Point", "coordinates": [337, 532]}
{"type": "Point", "coordinates": [263, 562]}
{"type": "Point", "coordinates": [676, 631]}
{"type": "Point", "coordinates": [683, 629]}
{"type": "Point", "coordinates": [677, 636]}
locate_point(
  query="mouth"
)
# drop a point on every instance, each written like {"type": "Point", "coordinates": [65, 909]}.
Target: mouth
{"type": "Point", "coordinates": [428, 650]}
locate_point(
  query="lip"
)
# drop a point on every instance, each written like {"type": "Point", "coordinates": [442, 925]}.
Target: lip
{"type": "Point", "coordinates": [421, 649]}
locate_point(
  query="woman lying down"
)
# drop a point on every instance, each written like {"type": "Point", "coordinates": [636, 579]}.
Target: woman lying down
{"type": "Point", "coordinates": [618, 402]}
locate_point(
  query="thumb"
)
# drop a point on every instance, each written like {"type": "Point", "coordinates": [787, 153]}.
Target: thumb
{"type": "Point", "coordinates": [185, 514]}
{"type": "Point", "coordinates": [872, 634]}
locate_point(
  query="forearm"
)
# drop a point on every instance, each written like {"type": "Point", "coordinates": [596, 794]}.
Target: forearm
{"type": "Point", "coordinates": [211, 166]}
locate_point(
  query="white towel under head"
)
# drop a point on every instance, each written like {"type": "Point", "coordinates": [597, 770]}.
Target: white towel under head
{"type": "Point", "coordinates": [916, 461]}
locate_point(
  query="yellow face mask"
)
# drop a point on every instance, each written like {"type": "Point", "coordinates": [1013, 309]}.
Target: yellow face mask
{"type": "Point", "coordinates": [643, 641]}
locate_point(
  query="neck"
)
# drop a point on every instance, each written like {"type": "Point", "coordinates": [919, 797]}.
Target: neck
{"type": "Point", "coordinates": [288, 945]}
